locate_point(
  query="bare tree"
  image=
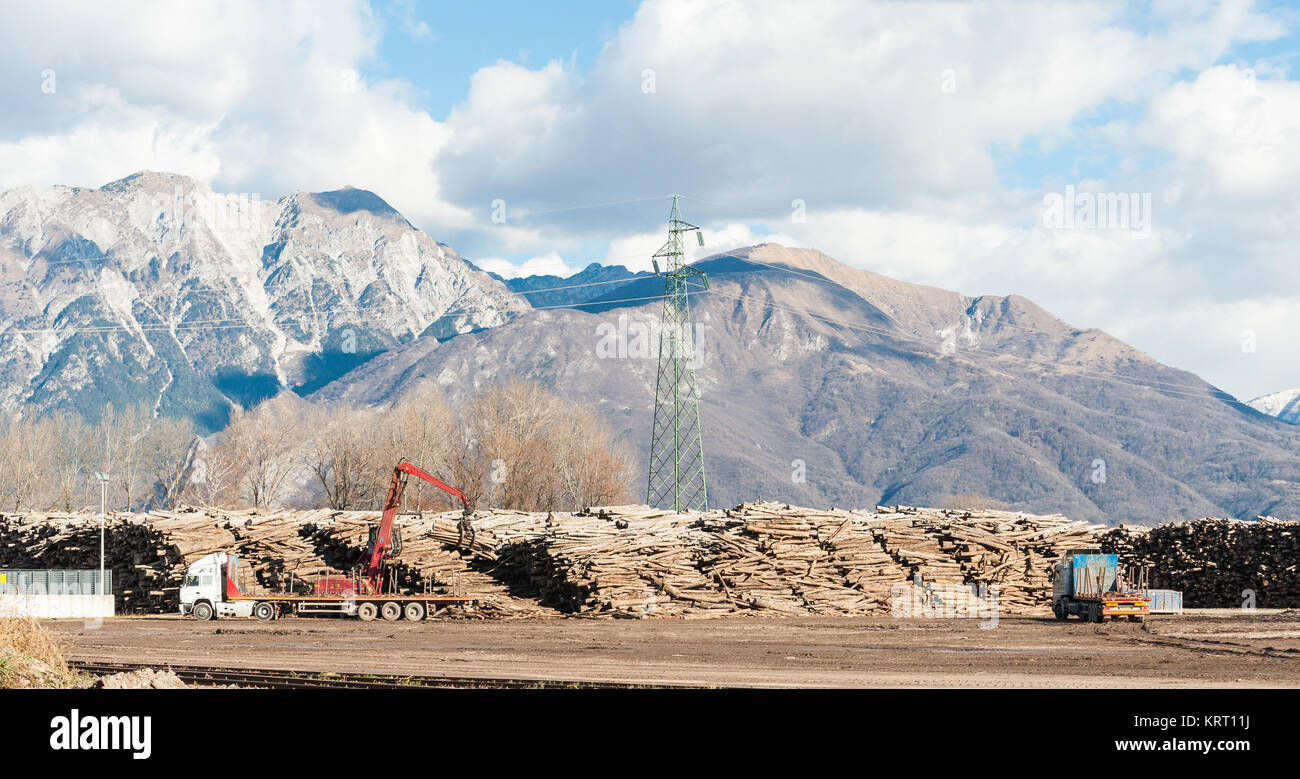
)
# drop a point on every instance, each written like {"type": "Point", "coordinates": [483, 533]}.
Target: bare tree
{"type": "Point", "coordinates": [592, 467]}
{"type": "Point", "coordinates": [126, 450]}
{"type": "Point", "coordinates": [170, 443]}
{"type": "Point", "coordinates": [420, 427]}
{"type": "Point", "coordinates": [342, 454]}
{"type": "Point", "coordinates": [70, 461]}
{"type": "Point", "coordinates": [24, 458]}
{"type": "Point", "coordinates": [213, 474]}
{"type": "Point", "coordinates": [264, 442]}
{"type": "Point", "coordinates": [525, 448]}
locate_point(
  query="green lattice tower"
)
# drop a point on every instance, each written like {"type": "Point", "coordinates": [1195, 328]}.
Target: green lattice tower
{"type": "Point", "coordinates": [676, 478]}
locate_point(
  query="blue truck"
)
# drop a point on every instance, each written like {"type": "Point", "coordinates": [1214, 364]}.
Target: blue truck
{"type": "Point", "coordinates": [1089, 585]}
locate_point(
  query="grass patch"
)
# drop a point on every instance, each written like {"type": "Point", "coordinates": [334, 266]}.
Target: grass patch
{"type": "Point", "coordinates": [30, 656]}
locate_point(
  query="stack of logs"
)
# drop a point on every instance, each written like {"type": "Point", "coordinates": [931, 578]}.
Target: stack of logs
{"type": "Point", "coordinates": [635, 561]}
{"type": "Point", "coordinates": [781, 560]}
{"type": "Point", "coordinates": [148, 553]}
{"type": "Point", "coordinates": [1217, 563]}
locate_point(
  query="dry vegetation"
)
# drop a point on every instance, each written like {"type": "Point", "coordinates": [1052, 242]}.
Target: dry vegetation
{"type": "Point", "coordinates": [514, 446]}
{"type": "Point", "coordinates": [31, 657]}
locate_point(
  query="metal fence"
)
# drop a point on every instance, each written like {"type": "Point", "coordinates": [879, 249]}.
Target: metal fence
{"type": "Point", "coordinates": [56, 582]}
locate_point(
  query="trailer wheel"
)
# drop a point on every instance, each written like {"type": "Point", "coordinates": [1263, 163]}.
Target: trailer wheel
{"type": "Point", "coordinates": [265, 612]}
{"type": "Point", "coordinates": [203, 611]}
{"type": "Point", "coordinates": [391, 610]}
{"type": "Point", "coordinates": [367, 611]}
{"type": "Point", "coordinates": [414, 611]}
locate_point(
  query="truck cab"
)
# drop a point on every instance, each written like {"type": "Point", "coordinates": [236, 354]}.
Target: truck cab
{"type": "Point", "coordinates": [208, 588]}
{"type": "Point", "coordinates": [1088, 584]}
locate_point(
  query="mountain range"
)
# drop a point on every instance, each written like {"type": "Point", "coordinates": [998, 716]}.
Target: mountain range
{"type": "Point", "coordinates": [154, 289]}
{"type": "Point", "coordinates": [821, 383]}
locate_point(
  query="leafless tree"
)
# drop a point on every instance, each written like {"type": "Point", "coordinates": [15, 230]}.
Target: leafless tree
{"type": "Point", "coordinates": [124, 455]}
{"type": "Point", "coordinates": [24, 456]}
{"type": "Point", "coordinates": [342, 454]}
{"type": "Point", "coordinates": [70, 460]}
{"type": "Point", "coordinates": [170, 443]}
{"type": "Point", "coordinates": [265, 444]}
{"type": "Point", "coordinates": [213, 474]}
{"type": "Point", "coordinates": [422, 428]}
{"type": "Point", "coordinates": [539, 452]}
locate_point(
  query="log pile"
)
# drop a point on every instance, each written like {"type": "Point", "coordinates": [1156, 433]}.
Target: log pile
{"type": "Point", "coordinates": [628, 560]}
{"type": "Point", "coordinates": [278, 551]}
{"type": "Point", "coordinates": [1217, 563]}
{"type": "Point", "coordinates": [779, 560]}
{"type": "Point", "coordinates": [633, 561]}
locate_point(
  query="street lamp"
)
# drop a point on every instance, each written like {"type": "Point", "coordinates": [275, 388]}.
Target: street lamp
{"type": "Point", "coordinates": [102, 478]}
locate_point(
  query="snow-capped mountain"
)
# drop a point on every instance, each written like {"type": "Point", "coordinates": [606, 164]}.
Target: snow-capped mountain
{"type": "Point", "coordinates": [155, 288]}
{"type": "Point", "coordinates": [1284, 405]}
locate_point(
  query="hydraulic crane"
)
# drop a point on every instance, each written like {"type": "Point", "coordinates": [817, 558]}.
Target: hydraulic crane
{"type": "Point", "coordinates": [374, 561]}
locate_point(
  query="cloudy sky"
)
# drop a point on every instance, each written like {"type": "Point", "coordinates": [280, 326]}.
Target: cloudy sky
{"type": "Point", "coordinates": [959, 145]}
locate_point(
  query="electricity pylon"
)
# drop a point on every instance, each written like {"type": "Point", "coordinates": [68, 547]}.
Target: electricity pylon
{"type": "Point", "coordinates": [676, 477]}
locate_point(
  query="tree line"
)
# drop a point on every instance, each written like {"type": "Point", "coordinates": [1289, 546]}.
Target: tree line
{"type": "Point", "coordinates": [512, 446]}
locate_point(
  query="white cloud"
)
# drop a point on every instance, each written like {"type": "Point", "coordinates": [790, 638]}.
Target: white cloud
{"type": "Point", "coordinates": [1245, 129]}
{"type": "Point", "coordinates": [251, 97]}
{"type": "Point", "coordinates": [841, 103]}
{"type": "Point", "coordinates": [551, 264]}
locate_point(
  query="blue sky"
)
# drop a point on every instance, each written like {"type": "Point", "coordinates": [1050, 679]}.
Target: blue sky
{"type": "Point", "coordinates": [920, 141]}
{"type": "Point", "coordinates": [438, 46]}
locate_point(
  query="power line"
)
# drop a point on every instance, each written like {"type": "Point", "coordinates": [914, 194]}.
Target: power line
{"type": "Point", "coordinates": [324, 278]}
{"type": "Point", "coordinates": [239, 323]}
{"type": "Point", "coordinates": [348, 308]}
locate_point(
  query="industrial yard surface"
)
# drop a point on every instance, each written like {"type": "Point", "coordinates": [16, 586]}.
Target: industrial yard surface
{"type": "Point", "coordinates": [1204, 648]}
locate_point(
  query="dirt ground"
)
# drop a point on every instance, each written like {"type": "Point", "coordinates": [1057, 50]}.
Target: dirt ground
{"type": "Point", "coordinates": [1209, 648]}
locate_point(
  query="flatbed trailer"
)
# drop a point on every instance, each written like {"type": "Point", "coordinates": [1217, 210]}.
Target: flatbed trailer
{"type": "Point", "coordinates": [211, 590]}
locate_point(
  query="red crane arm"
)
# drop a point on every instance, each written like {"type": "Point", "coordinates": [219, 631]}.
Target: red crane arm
{"type": "Point", "coordinates": [374, 566]}
{"type": "Point", "coordinates": [415, 470]}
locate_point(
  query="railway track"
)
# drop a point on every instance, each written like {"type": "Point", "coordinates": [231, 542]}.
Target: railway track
{"type": "Point", "coordinates": [207, 676]}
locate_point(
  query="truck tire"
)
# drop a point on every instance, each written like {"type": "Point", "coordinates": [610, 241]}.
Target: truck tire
{"type": "Point", "coordinates": [367, 611]}
{"type": "Point", "coordinates": [1058, 609]}
{"type": "Point", "coordinates": [414, 611]}
{"type": "Point", "coordinates": [391, 610]}
{"type": "Point", "coordinates": [265, 612]}
{"type": "Point", "coordinates": [203, 611]}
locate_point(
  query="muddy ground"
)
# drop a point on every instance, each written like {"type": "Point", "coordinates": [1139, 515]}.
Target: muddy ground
{"type": "Point", "coordinates": [1209, 648]}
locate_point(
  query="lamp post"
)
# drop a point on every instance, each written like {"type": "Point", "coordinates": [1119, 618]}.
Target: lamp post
{"type": "Point", "coordinates": [102, 478]}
